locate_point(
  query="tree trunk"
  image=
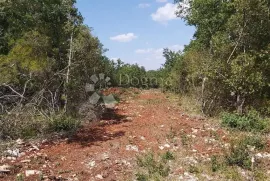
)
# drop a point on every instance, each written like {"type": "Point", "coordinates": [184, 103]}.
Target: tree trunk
{"type": "Point", "coordinates": [68, 72]}
{"type": "Point", "coordinates": [239, 104]}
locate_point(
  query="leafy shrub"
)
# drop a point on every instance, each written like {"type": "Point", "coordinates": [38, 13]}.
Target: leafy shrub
{"type": "Point", "coordinates": [193, 169]}
{"type": "Point", "coordinates": [255, 141]}
{"type": "Point", "coordinates": [63, 123]}
{"type": "Point", "coordinates": [168, 156]}
{"type": "Point", "coordinates": [155, 168]}
{"type": "Point", "coordinates": [216, 163]}
{"type": "Point", "coordinates": [250, 122]}
{"type": "Point", "coordinates": [27, 123]}
{"type": "Point", "coordinates": [239, 156]}
{"type": "Point", "coordinates": [239, 153]}
{"type": "Point", "coordinates": [21, 124]}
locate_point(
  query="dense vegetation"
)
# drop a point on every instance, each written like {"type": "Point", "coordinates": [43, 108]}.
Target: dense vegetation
{"type": "Point", "coordinates": [47, 55]}
{"type": "Point", "coordinates": [226, 66]}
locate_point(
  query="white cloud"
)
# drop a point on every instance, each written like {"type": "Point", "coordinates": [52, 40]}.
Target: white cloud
{"type": "Point", "coordinates": [142, 51]}
{"type": "Point", "coordinates": [124, 37]}
{"type": "Point", "coordinates": [161, 1]}
{"type": "Point", "coordinates": [165, 13]}
{"type": "Point", "coordinates": [159, 51]}
{"type": "Point", "coordinates": [152, 58]}
{"type": "Point", "coordinates": [144, 5]}
{"type": "Point", "coordinates": [114, 59]}
{"type": "Point", "coordinates": [157, 54]}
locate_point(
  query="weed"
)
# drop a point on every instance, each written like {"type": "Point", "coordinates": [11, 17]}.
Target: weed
{"type": "Point", "coordinates": [193, 169]}
{"type": "Point", "coordinates": [154, 168]}
{"type": "Point", "coordinates": [256, 141]}
{"type": "Point", "coordinates": [19, 177]}
{"type": "Point", "coordinates": [231, 173]}
{"type": "Point", "coordinates": [167, 156]}
{"type": "Point", "coordinates": [184, 139]}
{"type": "Point", "coordinates": [239, 155]}
{"type": "Point", "coordinates": [216, 164]}
{"type": "Point", "coordinates": [250, 122]}
{"type": "Point", "coordinates": [171, 135]}
{"type": "Point", "coordinates": [260, 175]}
{"type": "Point", "coordinates": [63, 123]}
{"type": "Point", "coordinates": [141, 177]}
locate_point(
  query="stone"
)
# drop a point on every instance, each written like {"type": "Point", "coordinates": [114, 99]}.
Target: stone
{"type": "Point", "coordinates": [29, 173]}
{"type": "Point", "coordinates": [132, 148]}
{"type": "Point", "coordinates": [99, 176]}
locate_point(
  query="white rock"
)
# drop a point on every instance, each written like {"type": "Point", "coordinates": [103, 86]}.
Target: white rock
{"type": "Point", "coordinates": [14, 152]}
{"type": "Point", "coordinates": [11, 158]}
{"type": "Point", "coordinates": [25, 161]}
{"type": "Point", "coordinates": [161, 147]}
{"type": "Point", "coordinates": [19, 141]}
{"type": "Point", "coordinates": [132, 148]}
{"type": "Point", "coordinates": [194, 151]}
{"type": "Point", "coordinates": [194, 130]}
{"type": "Point", "coordinates": [32, 172]}
{"type": "Point", "coordinates": [105, 156]}
{"type": "Point", "coordinates": [99, 176]}
{"type": "Point", "coordinates": [167, 146]}
{"type": "Point", "coordinates": [142, 138]}
{"type": "Point", "coordinates": [259, 155]}
{"type": "Point", "coordinates": [92, 164]}
{"type": "Point", "coordinates": [5, 168]}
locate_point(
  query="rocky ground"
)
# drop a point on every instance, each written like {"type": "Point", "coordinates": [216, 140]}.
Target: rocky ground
{"type": "Point", "coordinates": [143, 122]}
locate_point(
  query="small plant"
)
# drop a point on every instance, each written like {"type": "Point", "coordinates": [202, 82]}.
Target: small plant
{"type": "Point", "coordinates": [19, 177]}
{"type": "Point", "coordinates": [239, 155]}
{"type": "Point", "coordinates": [63, 123]}
{"type": "Point", "coordinates": [154, 168]}
{"type": "Point", "coordinates": [168, 156]}
{"type": "Point", "coordinates": [250, 122]}
{"type": "Point", "coordinates": [171, 135]}
{"type": "Point", "coordinates": [215, 163]}
{"type": "Point", "coordinates": [184, 139]}
{"type": "Point", "coordinates": [256, 141]}
{"type": "Point", "coordinates": [193, 169]}
{"type": "Point", "coordinates": [141, 177]}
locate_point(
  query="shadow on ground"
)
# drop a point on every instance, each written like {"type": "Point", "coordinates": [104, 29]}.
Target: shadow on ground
{"type": "Point", "coordinates": [96, 132]}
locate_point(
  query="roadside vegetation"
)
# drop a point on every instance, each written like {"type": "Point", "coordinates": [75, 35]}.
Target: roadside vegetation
{"type": "Point", "coordinates": [48, 56]}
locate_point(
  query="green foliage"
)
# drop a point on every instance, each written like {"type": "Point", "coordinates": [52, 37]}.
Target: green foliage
{"type": "Point", "coordinates": [60, 123]}
{"type": "Point", "coordinates": [167, 156]}
{"type": "Point", "coordinates": [154, 168]}
{"type": "Point", "coordinates": [216, 164]}
{"type": "Point", "coordinates": [250, 122]}
{"type": "Point", "coordinates": [226, 65]}
{"type": "Point", "coordinates": [239, 155]}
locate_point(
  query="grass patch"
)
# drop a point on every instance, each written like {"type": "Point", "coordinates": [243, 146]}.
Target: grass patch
{"type": "Point", "coordinates": [250, 122]}
{"type": "Point", "coordinates": [30, 124]}
{"type": "Point", "coordinates": [61, 123]}
{"type": "Point", "coordinates": [154, 168]}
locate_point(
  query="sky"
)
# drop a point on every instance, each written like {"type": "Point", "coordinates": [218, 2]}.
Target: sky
{"type": "Point", "coordinates": [136, 31]}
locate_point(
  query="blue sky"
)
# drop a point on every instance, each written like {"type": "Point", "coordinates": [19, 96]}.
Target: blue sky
{"type": "Point", "coordinates": [136, 31]}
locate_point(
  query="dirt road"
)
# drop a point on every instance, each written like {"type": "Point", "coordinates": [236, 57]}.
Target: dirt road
{"type": "Point", "coordinates": [143, 121]}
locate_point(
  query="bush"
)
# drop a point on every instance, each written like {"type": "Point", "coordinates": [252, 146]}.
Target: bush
{"type": "Point", "coordinates": [250, 122]}
{"type": "Point", "coordinates": [63, 123]}
{"type": "Point", "coordinates": [21, 124]}
{"type": "Point", "coordinates": [239, 153]}
{"type": "Point", "coordinates": [155, 168]}
{"type": "Point", "coordinates": [28, 123]}
{"type": "Point", "coordinates": [216, 163]}
{"type": "Point", "coordinates": [255, 141]}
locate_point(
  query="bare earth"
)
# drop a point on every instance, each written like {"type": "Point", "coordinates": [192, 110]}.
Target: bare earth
{"type": "Point", "coordinates": [147, 121]}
